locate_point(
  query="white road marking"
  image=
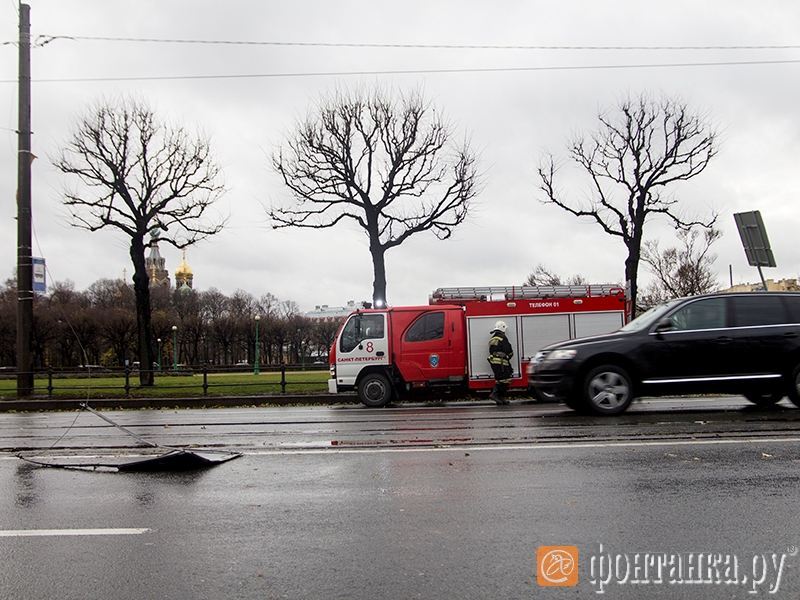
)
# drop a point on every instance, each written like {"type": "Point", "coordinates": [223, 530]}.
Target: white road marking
{"type": "Point", "coordinates": [63, 532]}
{"type": "Point", "coordinates": [366, 448]}
{"type": "Point", "coordinates": [343, 449]}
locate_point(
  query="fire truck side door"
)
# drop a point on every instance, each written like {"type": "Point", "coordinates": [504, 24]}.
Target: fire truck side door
{"type": "Point", "coordinates": [433, 347]}
{"type": "Point", "coordinates": [363, 341]}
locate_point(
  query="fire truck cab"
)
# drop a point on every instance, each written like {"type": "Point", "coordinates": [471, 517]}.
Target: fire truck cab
{"type": "Point", "coordinates": [385, 354]}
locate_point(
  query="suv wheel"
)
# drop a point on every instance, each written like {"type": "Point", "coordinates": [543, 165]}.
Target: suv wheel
{"type": "Point", "coordinates": [607, 390]}
{"type": "Point", "coordinates": [764, 399]}
{"type": "Point", "coordinates": [374, 390]}
{"type": "Point", "coordinates": [794, 387]}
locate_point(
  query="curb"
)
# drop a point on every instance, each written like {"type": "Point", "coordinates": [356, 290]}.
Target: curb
{"type": "Point", "coordinates": [69, 404]}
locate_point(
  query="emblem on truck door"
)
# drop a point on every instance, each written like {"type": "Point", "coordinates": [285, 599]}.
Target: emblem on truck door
{"type": "Point", "coordinates": [433, 359]}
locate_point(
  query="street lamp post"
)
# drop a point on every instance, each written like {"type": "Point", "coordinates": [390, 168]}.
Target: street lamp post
{"type": "Point", "coordinates": [256, 369]}
{"type": "Point", "coordinates": [174, 347]}
{"type": "Point", "coordinates": [159, 355]}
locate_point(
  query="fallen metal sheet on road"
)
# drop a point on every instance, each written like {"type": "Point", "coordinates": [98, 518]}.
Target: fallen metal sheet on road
{"type": "Point", "coordinates": [178, 460]}
{"type": "Point", "coordinates": [173, 460]}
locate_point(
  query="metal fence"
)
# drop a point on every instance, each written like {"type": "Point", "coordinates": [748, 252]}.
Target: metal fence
{"type": "Point", "coordinates": [210, 379]}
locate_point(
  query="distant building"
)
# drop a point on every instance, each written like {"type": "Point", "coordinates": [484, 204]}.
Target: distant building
{"type": "Point", "coordinates": [323, 312]}
{"type": "Point", "coordinates": [184, 278]}
{"type": "Point", "coordinates": [782, 285]}
{"type": "Point", "coordinates": [155, 265]}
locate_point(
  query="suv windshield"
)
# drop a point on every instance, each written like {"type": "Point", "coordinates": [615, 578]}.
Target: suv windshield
{"type": "Point", "coordinates": [647, 318]}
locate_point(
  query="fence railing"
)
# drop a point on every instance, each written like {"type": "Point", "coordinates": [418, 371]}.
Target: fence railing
{"type": "Point", "coordinates": [96, 381]}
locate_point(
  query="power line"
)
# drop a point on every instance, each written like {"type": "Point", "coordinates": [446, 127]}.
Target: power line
{"type": "Point", "coordinates": [44, 39]}
{"type": "Point", "coordinates": [408, 71]}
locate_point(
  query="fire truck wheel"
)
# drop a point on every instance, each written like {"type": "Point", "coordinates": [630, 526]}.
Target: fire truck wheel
{"type": "Point", "coordinates": [374, 390]}
{"type": "Point", "coordinates": [607, 390]}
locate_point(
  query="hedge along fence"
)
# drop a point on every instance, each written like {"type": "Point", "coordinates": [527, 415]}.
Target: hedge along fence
{"type": "Point", "coordinates": [185, 381]}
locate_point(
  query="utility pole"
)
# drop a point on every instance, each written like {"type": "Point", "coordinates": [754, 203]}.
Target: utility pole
{"type": "Point", "coordinates": [24, 160]}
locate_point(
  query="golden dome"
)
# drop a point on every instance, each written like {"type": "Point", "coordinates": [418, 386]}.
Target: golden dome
{"type": "Point", "coordinates": [183, 269]}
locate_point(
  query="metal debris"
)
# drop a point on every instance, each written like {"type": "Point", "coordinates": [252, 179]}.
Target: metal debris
{"type": "Point", "coordinates": [171, 460]}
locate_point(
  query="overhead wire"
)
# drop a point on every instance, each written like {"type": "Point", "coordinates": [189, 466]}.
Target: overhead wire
{"type": "Point", "coordinates": [44, 39]}
{"type": "Point", "coordinates": [410, 71]}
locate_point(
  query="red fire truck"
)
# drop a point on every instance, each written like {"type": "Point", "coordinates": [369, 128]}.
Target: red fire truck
{"type": "Point", "coordinates": [387, 353]}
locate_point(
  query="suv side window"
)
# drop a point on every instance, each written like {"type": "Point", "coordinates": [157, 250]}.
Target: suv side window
{"type": "Point", "coordinates": [360, 328]}
{"type": "Point", "coordinates": [758, 309]}
{"type": "Point", "coordinates": [429, 326]}
{"type": "Point", "coordinates": [701, 314]}
{"type": "Point", "coordinates": [793, 303]}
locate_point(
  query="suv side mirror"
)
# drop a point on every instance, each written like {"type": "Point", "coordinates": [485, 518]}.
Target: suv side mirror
{"type": "Point", "coordinates": [664, 324]}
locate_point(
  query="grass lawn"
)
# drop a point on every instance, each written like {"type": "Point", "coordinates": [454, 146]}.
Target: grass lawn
{"type": "Point", "coordinates": [175, 386]}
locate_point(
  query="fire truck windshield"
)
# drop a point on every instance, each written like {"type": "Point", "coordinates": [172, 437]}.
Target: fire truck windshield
{"type": "Point", "coordinates": [359, 328]}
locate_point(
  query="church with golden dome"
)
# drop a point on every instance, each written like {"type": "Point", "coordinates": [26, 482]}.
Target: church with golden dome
{"type": "Point", "coordinates": [155, 265]}
{"type": "Point", "coordinates": [184, 277]}
{"type": "Point", "coordinates": [157, 271]}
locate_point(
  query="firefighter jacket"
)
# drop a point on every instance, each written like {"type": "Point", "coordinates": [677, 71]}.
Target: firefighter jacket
{"type": "Point", "coordinates": [500, 351]}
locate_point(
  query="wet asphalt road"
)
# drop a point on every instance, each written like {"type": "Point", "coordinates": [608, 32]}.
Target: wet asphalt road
{"type": "Point", "coordinates": [410, 502]}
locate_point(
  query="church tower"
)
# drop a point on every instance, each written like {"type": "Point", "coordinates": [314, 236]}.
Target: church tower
{"type": "Point", "coordinates": [154, 263]}
{"type": "Point", "coordinates": [183, 274]}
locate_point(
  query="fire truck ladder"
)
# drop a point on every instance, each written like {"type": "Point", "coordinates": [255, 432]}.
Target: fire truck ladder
{"type": "Point", "coordinates": [525, 292]}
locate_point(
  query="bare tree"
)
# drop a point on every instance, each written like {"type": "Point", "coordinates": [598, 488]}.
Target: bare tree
{"type": "Point", "coordinates": [188, 310]}
{"type": "Point", "coordinates": [137, 174]}
{"type": "Point", "coordinates": [386, 165]}
{"type": "Point", "coordinates": [542, 275]}
{"type": "Point", "coordinates": [117, 328]}
{"type": "Point", "coordinates": [111, 293]}
{"type": "Point", "coordinates": [632, 158]}
{"type": "Point", "coordinates": [98, 326]}
{"type": "Point", "coordinates": [681, 271]}
{"type": "Point", "coordinates": [323, 332]}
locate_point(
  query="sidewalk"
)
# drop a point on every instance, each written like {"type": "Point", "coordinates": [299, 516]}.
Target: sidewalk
{"type": "Point", "coordinates": [67, 404]}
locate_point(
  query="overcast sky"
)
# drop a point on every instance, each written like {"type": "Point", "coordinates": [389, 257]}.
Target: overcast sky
{"type": "Point", "coordinates": [512, 118]}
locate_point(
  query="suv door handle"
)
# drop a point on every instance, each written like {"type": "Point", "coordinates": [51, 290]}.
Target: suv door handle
{"type": "Point", "coordinates": [790, 334]}
{"type": "Point", "coordinates": [724, 340]}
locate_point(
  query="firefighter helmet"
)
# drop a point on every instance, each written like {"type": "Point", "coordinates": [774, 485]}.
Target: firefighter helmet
{"type": "Point", "coordinates": [500, 326]}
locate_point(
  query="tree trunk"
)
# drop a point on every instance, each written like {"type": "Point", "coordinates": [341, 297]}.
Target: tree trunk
{"type": "Point", "coordinates": [141, 288]}
{"type": "Point", "coordinates": [379, 271]}
{"type": "Point", "coordinates": [632, 275]}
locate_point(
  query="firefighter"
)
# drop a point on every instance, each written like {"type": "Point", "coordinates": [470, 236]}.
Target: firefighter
{"type": "Point", "coordinates": [500, 353]}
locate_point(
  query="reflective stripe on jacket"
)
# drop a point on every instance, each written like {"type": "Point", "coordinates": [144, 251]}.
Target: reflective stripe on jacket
{"type": "Point", "coordinates": [500, 351]}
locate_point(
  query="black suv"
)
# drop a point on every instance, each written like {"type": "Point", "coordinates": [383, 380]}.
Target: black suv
{"type": "Point", "coordinates": [745, 343]}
